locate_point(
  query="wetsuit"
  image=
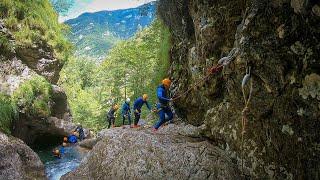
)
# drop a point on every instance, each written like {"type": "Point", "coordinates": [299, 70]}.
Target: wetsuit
{"type": "Point", "coordinates": [138, 103]}
{"type": "Point", "coordinates": [110, 117]}
{"type": "Point", "coordinates": [72, 139]}
{"type": "Point", "coordinates": [126, 112]}
{"type": "Point", "coordinates": [79, 129]}
{"type": "Point", "coordinates": [163, 107]}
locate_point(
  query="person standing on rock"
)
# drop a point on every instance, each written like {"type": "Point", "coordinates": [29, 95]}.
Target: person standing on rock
{"type": "Point", "coordinates": [138, 103]}
{"type": "Point", "coordinates": [163, 104]}
{"type": "Point", "coordinates": [111, 115]}
{"type": "Point", "coordinates": [126, 112]}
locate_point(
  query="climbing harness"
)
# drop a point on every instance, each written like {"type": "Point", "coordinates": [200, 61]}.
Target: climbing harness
{"type": "Point", "coordinates": [245, 111]}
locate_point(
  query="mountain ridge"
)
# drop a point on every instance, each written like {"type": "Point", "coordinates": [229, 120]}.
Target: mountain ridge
{"type": "Point", "coordinates": [93, 34]}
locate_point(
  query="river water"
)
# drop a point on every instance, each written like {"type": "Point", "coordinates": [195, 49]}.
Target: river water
{"type": "Point", "coordinates": [55, 167]}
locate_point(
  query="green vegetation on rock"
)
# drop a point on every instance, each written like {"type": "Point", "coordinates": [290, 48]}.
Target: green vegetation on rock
{"type": "Point", "coordinates": [8, 113]}
{"type": "Point", "coordinates": [132, 67]}
{"type": "Point", "coordinates": [34, 22]}
{"type": "Point", "coordinates": [33, 97]}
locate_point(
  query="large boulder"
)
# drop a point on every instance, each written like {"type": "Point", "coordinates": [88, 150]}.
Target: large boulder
{"type": "Point", "coordinates": [18, 161]}
{"type": "Point", "coordinates": [141, 154]}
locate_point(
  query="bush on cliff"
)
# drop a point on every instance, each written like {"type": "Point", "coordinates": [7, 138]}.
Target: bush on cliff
{"type": "Point", "coordinates": [35, 22]}
{"type": "Point", "coordinates": [33, 97]}
{"type": "Point", "coordinates": [8, 113]}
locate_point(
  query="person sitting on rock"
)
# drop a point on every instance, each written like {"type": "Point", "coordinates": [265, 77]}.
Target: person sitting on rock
{"type": "Point", "coordinates": [73, 138]}
{"type": "Point", "coordinates": [111, 115]}
{"type": "Point", "coordinates": [138, 103]}
{"type": "Point", "coordinates": [163, 104]}
{"type": "Point", "coordinates": [126, 112]}
{"type": "Point", "coordinates": [80, 131]}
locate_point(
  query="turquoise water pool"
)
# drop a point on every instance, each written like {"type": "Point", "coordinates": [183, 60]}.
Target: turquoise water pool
{"type": "Point", "coordinates": [55, 167]}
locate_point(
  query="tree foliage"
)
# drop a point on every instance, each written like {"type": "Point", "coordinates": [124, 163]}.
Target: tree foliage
{"type": "Point", "coordinates": [62, 6]}
{"type": "Point", "coordinates": [34, 97]}
{"type": "Point", "coordinates": [132, 67]}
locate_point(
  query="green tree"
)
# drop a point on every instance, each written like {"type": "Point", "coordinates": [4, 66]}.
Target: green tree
{"type": "Point", "coordinates": [62, 6]}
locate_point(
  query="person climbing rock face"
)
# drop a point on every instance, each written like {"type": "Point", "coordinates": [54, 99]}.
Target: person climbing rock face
{"type": "Point", "coordinates": [163, 107]}
{"type": "Point", "coordinates": [126, 112]}
{"type": "Point", "coordinates": [73, 138]}
{"type": "Point", "coordinates": [138, 103]}
{"type": "Point", "coordinates": [80, 131]}
{"type": "Point", "coordinates": [111, 115]}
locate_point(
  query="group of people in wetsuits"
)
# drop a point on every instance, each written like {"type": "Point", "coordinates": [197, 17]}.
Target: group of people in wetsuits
{"type": "Point", "coordinates": [163, 108]}
{"type": "Point", "coordinates": [74, 137]}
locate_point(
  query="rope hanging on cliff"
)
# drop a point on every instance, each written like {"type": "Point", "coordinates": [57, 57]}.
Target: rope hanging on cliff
{"type": "Point", "coordinates": [245, 110]}
{"type": "Point", "coordinates": [211, 71]}
{"type": "Point", "coordinates": [225, 61]}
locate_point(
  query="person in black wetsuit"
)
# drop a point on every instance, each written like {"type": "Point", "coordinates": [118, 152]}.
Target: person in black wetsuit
{"type": "Point", "coordinates": [126, 112]}
{"type": "Point", "coordinates": [79, 129]}
{"type": "Point", "coordinates": [111, 115]}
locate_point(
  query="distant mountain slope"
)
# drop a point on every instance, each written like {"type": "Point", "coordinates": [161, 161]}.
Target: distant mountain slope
{"type": "Point", "coordinates": [93, 34]}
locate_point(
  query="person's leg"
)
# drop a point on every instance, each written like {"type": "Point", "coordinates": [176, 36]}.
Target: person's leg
{"type": "Point", "coordinates": [169, 114]}
{"type": "Point", "coordinates": [129, 119]}
{"type": "Point", "coordinates": [109, 120]}
{"type": "Point", "coordinates": [123, 119]}
{"type": "Point", "coordinates": [113, 119]}
{"type": "Point", "coordinates": [161, 119]}
{"type": "Point", "coordinates": [81, 135]}
{"type": "Point", "coordinates": [136, 118]}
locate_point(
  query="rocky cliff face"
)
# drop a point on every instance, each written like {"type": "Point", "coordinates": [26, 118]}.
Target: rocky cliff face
{"type": "Point", "coordinates": [169, 154]}
{"type": "Point", "coordinates": [39, 58]}
{"type": "Point", "coordinates": [18, 161]}
{"type": "Point", "coordinates": [279, 41]}
{"type": "Point", "coordinates": [20, 64]}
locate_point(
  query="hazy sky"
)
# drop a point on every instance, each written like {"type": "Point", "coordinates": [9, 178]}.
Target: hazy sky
{"type": "Point", "coordinates": [82, 6]}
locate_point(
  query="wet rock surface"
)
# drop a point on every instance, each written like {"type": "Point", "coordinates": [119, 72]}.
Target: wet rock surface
{"type": "Point", "coordinates": [89, 143]}
{"type": "Point", "coordinates": [18, 161]}
{"type": "Point", "coordinates": [279, 40]}
{"type": "Point", "coordinates": [141, 154]}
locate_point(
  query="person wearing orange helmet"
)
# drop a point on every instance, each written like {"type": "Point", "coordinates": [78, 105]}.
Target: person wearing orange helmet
{"type": "Point", "coordinates": [110, 116]}
{"type": "Point", "coordinates": [56, 153]}
{"type": "Point", "coordinates": [163, 104]}
{"type": "Point", "coordinates": [137, 105]}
